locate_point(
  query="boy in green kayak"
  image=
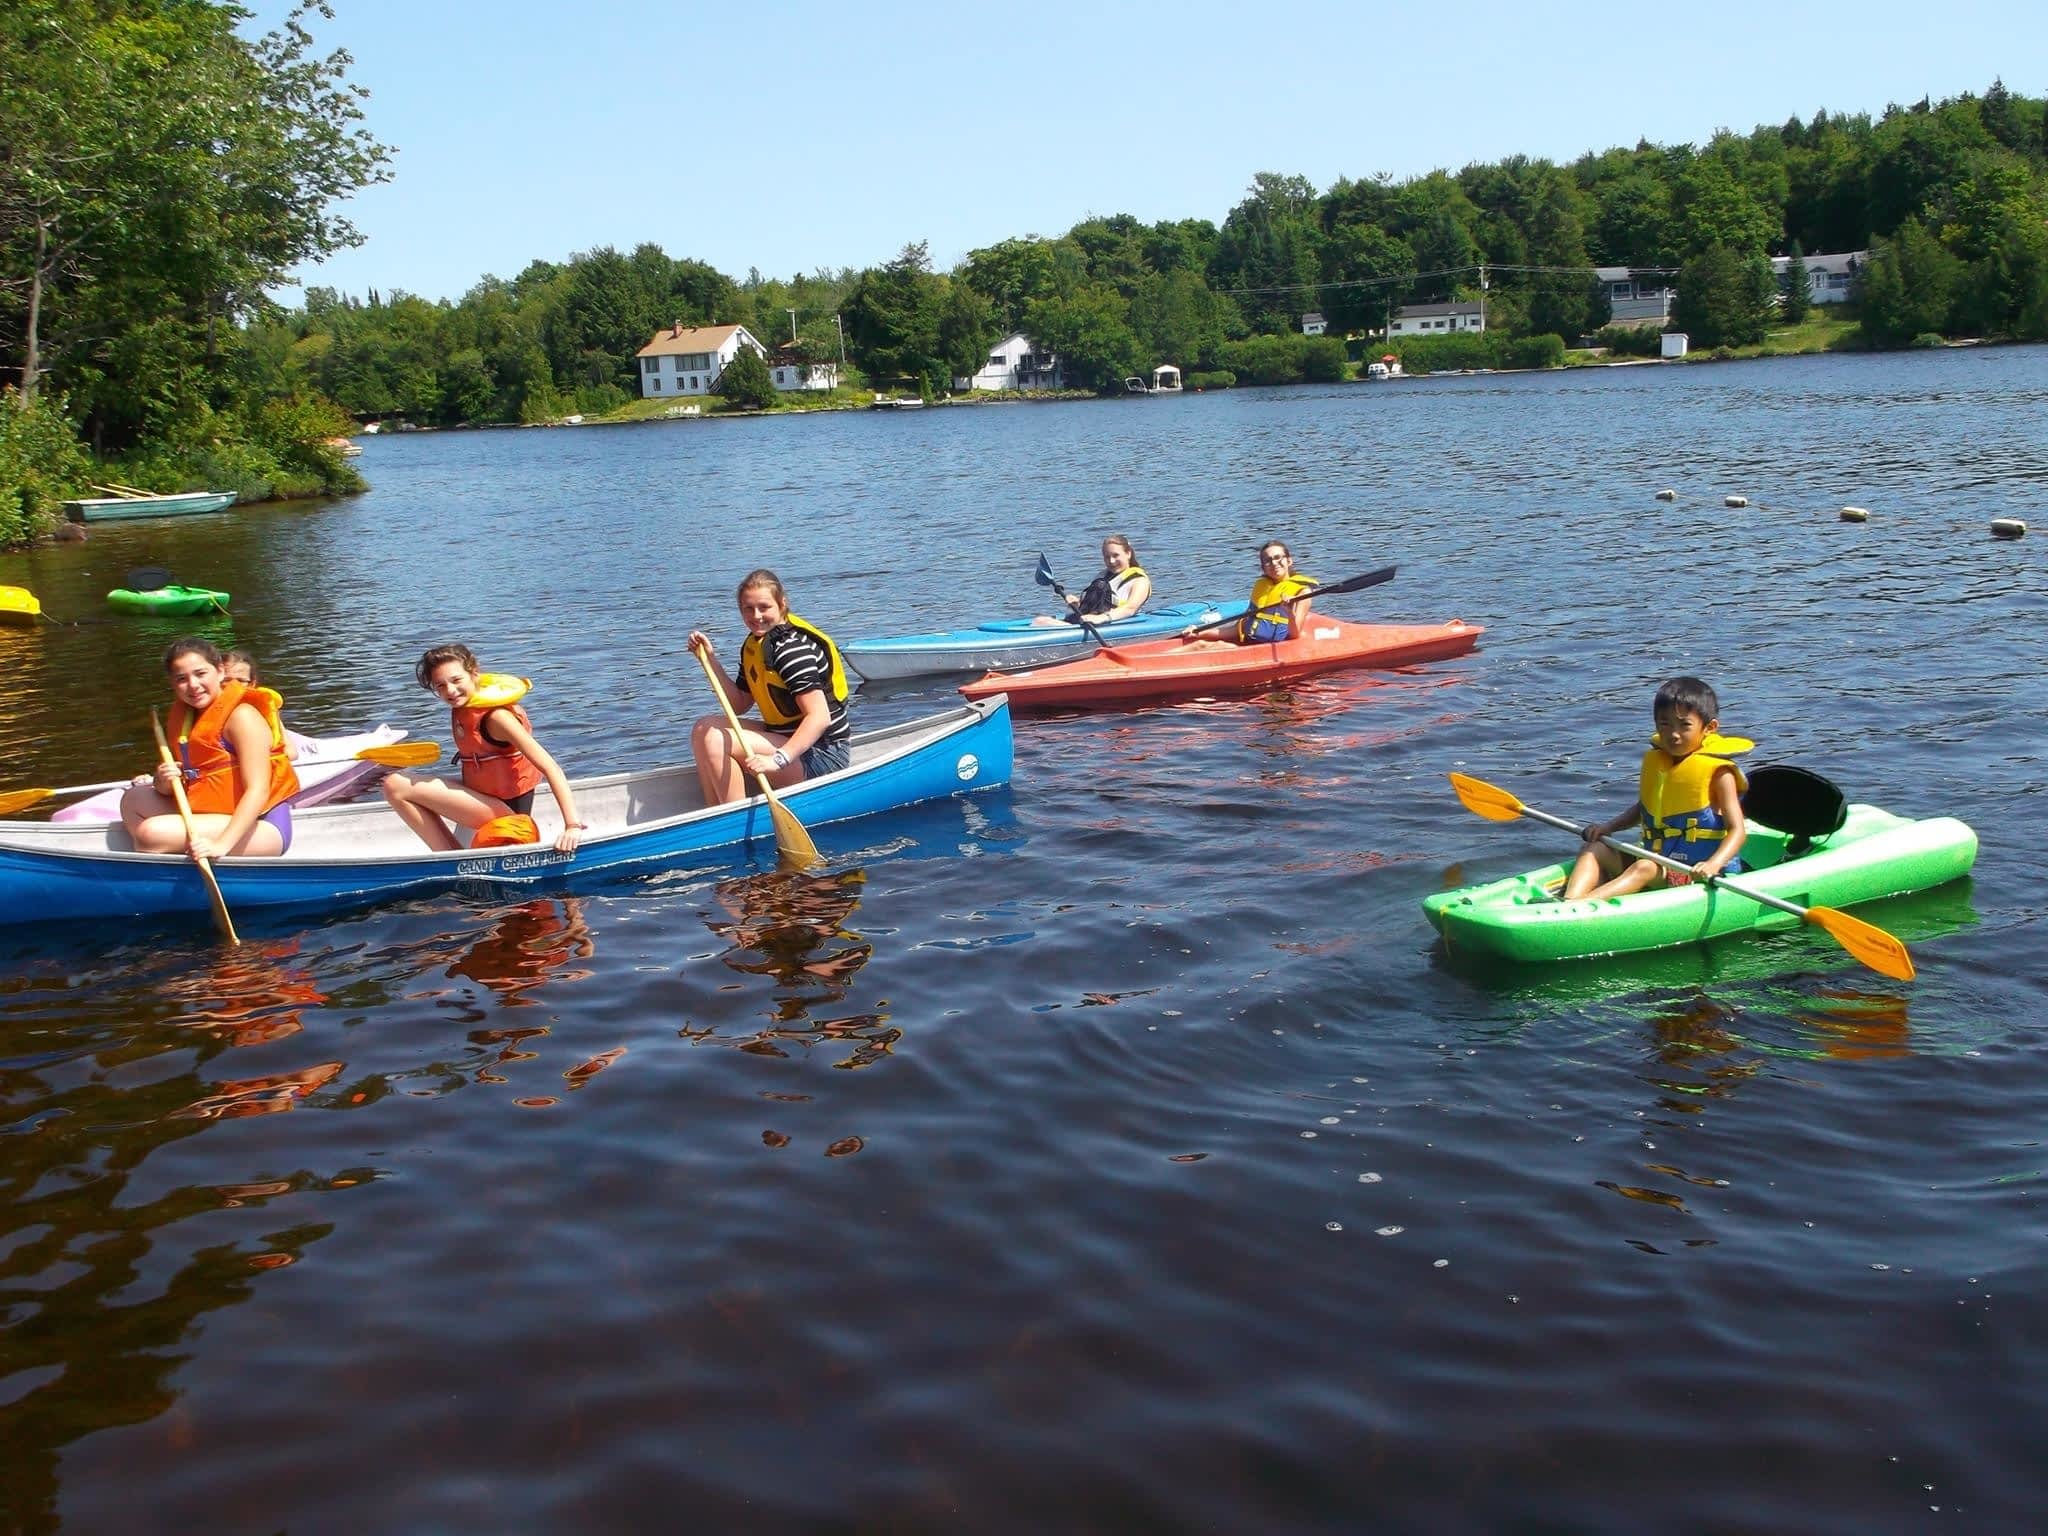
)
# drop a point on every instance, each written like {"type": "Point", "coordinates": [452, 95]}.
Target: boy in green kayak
{"type": "Point", "coordinates": [1688, 803]}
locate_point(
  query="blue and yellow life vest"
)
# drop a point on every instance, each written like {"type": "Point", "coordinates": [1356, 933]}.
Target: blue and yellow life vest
{"type": "Point", "coordinates": [778, 706]}
{"type": "Point", "coordinates": [1267, 594]}
{"type": "Point", "coordinates": [1679, 819]}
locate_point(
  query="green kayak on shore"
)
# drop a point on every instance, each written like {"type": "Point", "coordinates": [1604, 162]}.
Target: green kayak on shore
{"type": "Point", "coordinates": [1871, 855]}
{"type": "Point", "coordinates": [172, 601]}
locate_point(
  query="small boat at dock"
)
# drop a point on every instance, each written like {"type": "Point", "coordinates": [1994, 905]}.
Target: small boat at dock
{"type": "Point", "coordinates": [128, 506]}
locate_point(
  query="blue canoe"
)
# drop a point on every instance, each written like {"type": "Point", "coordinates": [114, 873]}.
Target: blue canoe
{"type": "Point", "coordinates": [1007, 644]}
{"type": "Point", "coordinates": [352, 853]}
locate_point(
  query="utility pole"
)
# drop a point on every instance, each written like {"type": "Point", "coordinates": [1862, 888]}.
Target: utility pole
{"type": "Point", "coordinates": [792, 327]}
{"type": "Point", "coordinates": [1482, 296]}
{"type": "Point", "coordinates": [842, 341]}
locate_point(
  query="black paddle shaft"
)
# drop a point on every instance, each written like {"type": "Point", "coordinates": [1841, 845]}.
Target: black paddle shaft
{"type": "Point", "coordinates": [1045, 578]}
{"type": "Point", "coordinates": [1350, 584]}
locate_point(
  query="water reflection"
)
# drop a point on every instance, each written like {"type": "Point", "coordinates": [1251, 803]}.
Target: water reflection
{"type": "Point", "coordinates": [525, 946]}
{"type": "Point", "coordinates": [792, 927]}
{"type": "Point", "coordinates": [104, 1272]}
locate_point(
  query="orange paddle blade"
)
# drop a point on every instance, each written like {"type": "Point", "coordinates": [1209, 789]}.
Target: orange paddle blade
{"type": "Point", "coordinates": [22, 799]}
{"type": "Point", "coordinates": [403, 754]}
{"type": "Point", "coordinates": [1484, 799]}
{"type": "Point", "coordinates": [1866, 941]}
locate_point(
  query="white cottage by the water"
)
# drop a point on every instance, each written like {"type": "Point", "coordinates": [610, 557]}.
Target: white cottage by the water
{"type": "Point", "coordinates": [1015, 363]}
{"type": "Point", "coordinates": [1830, 279]}
{"type": "Point", "coordinates": [687, 360]}
{"type": "Point", "coordinates": [1437, 319]}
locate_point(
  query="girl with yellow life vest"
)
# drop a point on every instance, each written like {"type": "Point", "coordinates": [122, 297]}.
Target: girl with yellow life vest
{"type": "Point", "coordinates": [1279, 603]}
{"type": "Point", "coordinates": [793, 674]}
{"type": "Point", "coordinates": [240, 666]}
{"type": "Point", "coordinates": [229, 750]}
{"type": "Point", "coordinates": [502, 764]}
{"type": "Point", "coordinates": [1688, 803]}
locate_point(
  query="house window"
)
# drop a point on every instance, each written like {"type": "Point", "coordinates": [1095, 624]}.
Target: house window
{"type": "Point", "coordinates": [655, 386]}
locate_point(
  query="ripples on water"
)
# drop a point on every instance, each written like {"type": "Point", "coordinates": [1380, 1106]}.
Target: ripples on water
{"type": "Point", "coordinates": [1112, 1152]}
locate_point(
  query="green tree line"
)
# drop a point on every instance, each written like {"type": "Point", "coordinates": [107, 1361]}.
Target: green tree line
{"type": "Point", "coordinates": [1951, 200]}
{"type": "Point", "coordinates": [141, 227]}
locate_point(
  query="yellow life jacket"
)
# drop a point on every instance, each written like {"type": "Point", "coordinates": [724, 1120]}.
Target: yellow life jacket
{"type": "Point", "coordinates": [1267, 593]}
{"type": "Point", "coordinates": [1679, 819]}
{"type": "Point", "coordinates": [778, 706]}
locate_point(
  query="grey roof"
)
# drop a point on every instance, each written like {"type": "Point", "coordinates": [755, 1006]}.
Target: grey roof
{"type": "Point", "coordinates": [1844, 263]}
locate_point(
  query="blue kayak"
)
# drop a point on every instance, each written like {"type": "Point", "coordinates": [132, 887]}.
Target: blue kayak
{"type": "Point", "coordinates": [1007, 644]}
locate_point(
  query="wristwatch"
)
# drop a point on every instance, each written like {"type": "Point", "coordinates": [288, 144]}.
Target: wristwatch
{"type": "Point", "coordinates": [781, 758]}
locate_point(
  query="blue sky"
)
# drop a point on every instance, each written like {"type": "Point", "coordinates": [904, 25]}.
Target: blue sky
{"type": "Point", "coordinates": [790, 136]}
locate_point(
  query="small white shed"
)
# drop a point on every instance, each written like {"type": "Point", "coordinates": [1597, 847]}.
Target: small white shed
{"type": "Point", "coordinates": [1675, 343]}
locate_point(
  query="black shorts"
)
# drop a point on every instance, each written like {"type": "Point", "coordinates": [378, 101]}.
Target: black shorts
{"type": "Point", "coordinates": [826, 757]}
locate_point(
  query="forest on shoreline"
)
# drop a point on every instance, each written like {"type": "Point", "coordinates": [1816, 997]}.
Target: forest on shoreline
{"type": "Point", "coordinates": [162, 175]}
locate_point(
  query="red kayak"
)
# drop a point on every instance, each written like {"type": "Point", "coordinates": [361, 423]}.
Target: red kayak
{"type": "Point", "coordinates": [1156, 670]}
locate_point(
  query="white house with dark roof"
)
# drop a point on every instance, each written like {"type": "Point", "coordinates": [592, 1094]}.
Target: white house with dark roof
{"type": "Point", "coordinates": [687, 360]}
{"type": "Point", "coordinates": [1829, 279]}
{"type": "Point", "coordinates": [1437, 319]}
{"type": "Point", "coordinates": [1015, 363]}
{"type": "Point", "coordinates": [1313, 323]}
{"type": "Point", "coordinates": [791, 373]}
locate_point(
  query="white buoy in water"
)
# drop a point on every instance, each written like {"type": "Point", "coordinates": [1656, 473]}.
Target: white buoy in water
{"type": "Point", "coordinates": [1667, 495]}
{"type": "Point", "coordinates": [2007, 528]}
{"type": "Point", "coordinates": [1735, 501]}
{"type": "Point", "coordinates": [1855, 515]}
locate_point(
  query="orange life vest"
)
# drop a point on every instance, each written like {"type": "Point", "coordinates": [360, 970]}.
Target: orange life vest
{"type": "Point", "coordinates": [212, 780]}
{"type": "Point", "coordinates": [489, 769]}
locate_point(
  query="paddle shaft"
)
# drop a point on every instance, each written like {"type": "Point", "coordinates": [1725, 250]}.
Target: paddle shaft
{"type": "Point", "coordinates": [220, 902]}
{"type": "Point", "coordinates": [418, 757]}
{"type": "Point", "coordinates": [1759, 897]}
{"type": "Point", "coordinates": [1350, 584]}
{"type": "Point", "coordinates": [1080, 618]}
{"type": "Point", "coordinates": [792, 842]}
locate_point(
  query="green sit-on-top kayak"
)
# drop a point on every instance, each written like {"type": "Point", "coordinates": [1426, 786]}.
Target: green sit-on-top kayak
{"type": "Point", "coordinates": [172, 601]}
{"type": "Point", "coordinates": [1872, 854]}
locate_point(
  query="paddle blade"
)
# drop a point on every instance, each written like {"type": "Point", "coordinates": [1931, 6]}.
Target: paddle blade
{"type": "Point", "coordinates": [793, 845]}
{"type": "Point", "coordinates": [403, 754]}
{"type": "Point", "coordinates": [1866, 941]}
{"type": "Point", "coordinates": [1484, 799]}
{"type": "Point", "coordinates": [22, 799]}
{"type": "Point", "coordinates": [1043, 575]}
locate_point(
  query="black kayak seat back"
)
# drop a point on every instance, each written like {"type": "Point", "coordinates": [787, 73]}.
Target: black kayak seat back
{"type": "Point", "coordinates": [1796, 801]}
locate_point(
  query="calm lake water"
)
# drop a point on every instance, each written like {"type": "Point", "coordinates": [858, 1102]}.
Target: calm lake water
{"type": "Point", "coordinates": [1112, 1152]}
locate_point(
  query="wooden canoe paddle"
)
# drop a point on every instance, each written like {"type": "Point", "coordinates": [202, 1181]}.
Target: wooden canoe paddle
{"type": "Point", "coordinates": [793, 844]}
{"type": "Point", "coordinates": [220, 902]}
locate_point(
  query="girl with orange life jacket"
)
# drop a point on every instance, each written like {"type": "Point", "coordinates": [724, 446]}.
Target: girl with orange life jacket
{"type": "Point", "coordinates": [502, 764]}
{"type": "Point", "coordinates": [229, 753]}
